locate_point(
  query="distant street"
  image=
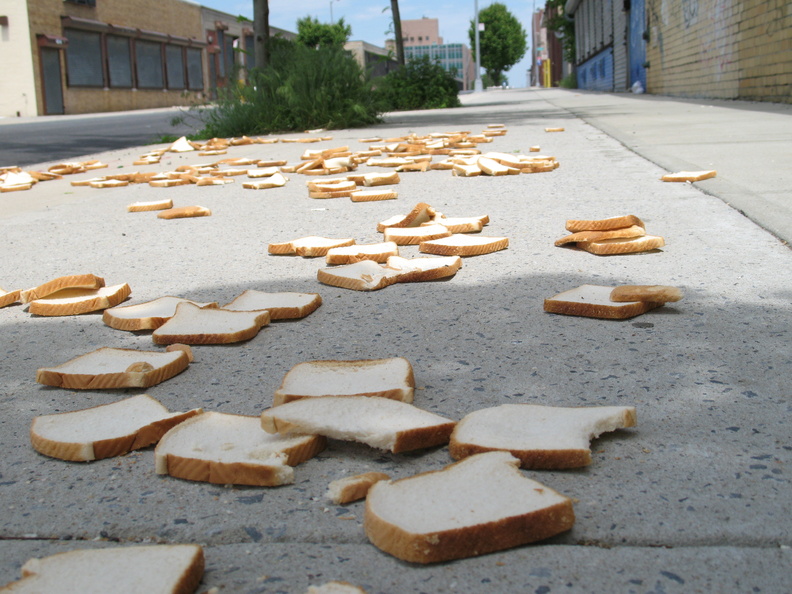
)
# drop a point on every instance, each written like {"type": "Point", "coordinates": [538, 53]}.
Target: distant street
{"type": "Point", "coordinates": [57, 138]}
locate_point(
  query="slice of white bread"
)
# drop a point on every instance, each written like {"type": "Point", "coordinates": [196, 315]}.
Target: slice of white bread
{"type": "Point", "coordinates": [378, 422]}
{"type": "Point", "coordinates": [353, 488]}
{"type": "Point", "coordinates": [460, 224]}
{"type": "Point", "coordinates": [421, 213]}
{"type": "Point", "coordinates": [624, 232]}
{"type": "Point", "coordinates": [281, 306]}
{"type": "Point", "coordinates": [689, 176]}
{"type": "Point", "coordinates": [183, 212]}
{"type": "Point", "coordinates": [72, 302]}
{"type": "Point", "coordinates": [230, 449]}
{"type": "Point", "coordinates": [575, 225]}
{"type": "Point", "coordinates": [378, 252]}
{"type": "Point", "coordinates": [104, 431]}
{"type": "Point", "coordinates": [335, 587]}
{"type": "Point", "coordinates": [109, 368]}
{"type": "Point", "coordinates": [473, 507]}
{"type": "Point", "coordinates": [424, 269]}
{"type": "Point", "coordinates": [150, 205]}
{"type": "Point", "coordinates": [365, 275]}
{"type": "Point", "coordinates": [655, 293]}
{"type": "Point", "coordinates": [594, 301]}
{"type": "Point", "coordinates": [194, 325]}
{"type": "Point", "coordinates": [9, 297]}
{"type": "Point", "coordinates": [387, 378]}
{"type": "Point", "coordinates": [464, 245]}
{"type": "Point", "coordinates": [373, 195]}
{"type": "Point", "coordinates": [415, 235]}
{"type": "Point", "coordinates": [153, 569]}
{"type": "Point", "coordinates": [72, 281]}
{"type": "Point", "coordinates": [608, 247]}
{"type": "Point", "coordinates": [146, 316]}
{"type": "Point", "coordinates": [308, 247]}
{"type": "Point", "coordinates": [538, 436]}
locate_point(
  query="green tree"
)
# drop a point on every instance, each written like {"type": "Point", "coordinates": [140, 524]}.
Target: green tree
{"type": "Point", "coordinates": [502, 41]}
{"type": "Point", "coordinates": [312, 33]}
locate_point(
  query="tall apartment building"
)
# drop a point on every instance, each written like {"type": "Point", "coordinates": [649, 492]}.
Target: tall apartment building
{"type": "Point", "coordinates": [422, 37]}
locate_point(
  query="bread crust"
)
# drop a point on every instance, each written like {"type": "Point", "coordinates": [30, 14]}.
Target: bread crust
{"type": "Point", "coordinates": [93, 300]}
{"type": "Point", "coordinates": [9, 297]}
{"type": "Point", "coordinates": [534, 459]}
{"type": "Point", "coordinates": [575, 225]}
{"type": "Point", "coordinates": [476, 246]}
{"type": "Point", "coordinates": [465, 541]}
{"type": "Point", "coordinates": [655, 293]}
{"type": "Point", "coordinates": [165, 335]}
{"type": "Point", "coordinates": [183, 211]}
{"type": "Point", "coordinates": [354, 488]}
{"type": "Point", "coordinates": [607, 247]}
{"type": "Point", "coordinates": [144, 378]}
{"type": "Point", "coordinates": [583, 236]}
{"type": "Point", "coordinates": [73, 281]}
{"type": "Point", "coordinates": [592, 310]}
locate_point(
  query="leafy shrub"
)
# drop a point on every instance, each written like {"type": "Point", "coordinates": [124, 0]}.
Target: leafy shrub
{"type": "Point", "coordinates": [569, 81]}
{"type": "Point", "coordinates": [420, 84]}
{"type": "Point", "coordinates": [302, 88]}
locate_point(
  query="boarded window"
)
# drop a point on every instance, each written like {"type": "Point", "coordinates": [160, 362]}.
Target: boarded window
{"type": "Point", "coordinates": [194, 69]}
{"type": "Point", "coordinates": [84, 59]}
{"type": "Point", "coordinates": [174, 60]}
{"type": "Point", "coordinates": [149, 65]}
{"type": "Point", "coordinates": [119, 63]}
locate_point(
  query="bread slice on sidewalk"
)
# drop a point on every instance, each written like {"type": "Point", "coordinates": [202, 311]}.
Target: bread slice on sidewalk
{"type": "Point", "coordinates": [72, 281]}
{"type": "Point", "coordinates": [146, 316]}
{"type": "Point", "coordinates": [335, 587]}
{"type": "Point", "coordinates": [415, 235]}
{"type": "Point", "coordinates": [689, 176]}
{"type": "Point", "coordinates": [620, 222]}
{"type": "Point", "coordinates": [473, 507]}
{"type": "Point", "coordinates": [654, 293]}
{"type": "Point", "coordinates": [377, 252]}
{"type": "Point", "coordinates": [594, 301]}
{"type": "Point", "coordinates": [9, 297]}
{"type": "Point", "coordinates": [109, 368]}
{"type": "Point", "coordinates": [420, 214]}
{"type": "Point", "coordinates": [150, 205]}
{"type": "Point", "coordinates": [184, 212]}
{"type": "Point", "coordinates": [461, 224]}
{"type": "Point", "coordinates": [353, 488]}
{"type": "Point", "coordinates": [583, 236]}
{"type": "Point", "coordinates": [160, 569]}
{"type": "Point", "coordinates": [104, 431]}
{"type": "Point", "coordinates": [365, 275]}
{"type": "Point", "coordinates": [610, 247]}
{"type": "Point", "coordinates": [386, 378]}
{"type": "Point", "coordinates": [195, 325]}
{"type": "Point", "coordinates": [373, 195]}
{"type": "Point", "coordinates": [464, 245]}
{"type": "Point", "coordinates": [73, 302]}
{"type": "Point", "coordinates": [538, 436]}
{"type": "Point", "coordinates": [430, 268]}
{"type": "Point", "coordinates": [281, 306]}
{"type": "Point", "coordinates": [228, 449]}
{"type": "Point", "coordinates": [378, 422]}
{"type": "Point", "coordinates": [309, 247]}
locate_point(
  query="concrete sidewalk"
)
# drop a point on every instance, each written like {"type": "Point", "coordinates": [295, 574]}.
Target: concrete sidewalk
{"type": "Point", "coordinates": [697, 497]}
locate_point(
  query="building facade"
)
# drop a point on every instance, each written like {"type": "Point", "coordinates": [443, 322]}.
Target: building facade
{"type": "Point", "coordinates": [422, 37]}
{"type": "Point", "coordinates": [375, 61]}
{"type": "Point", "coordinates": [725, 49]}
{"type": "Point", "coordinates": [80, 56]}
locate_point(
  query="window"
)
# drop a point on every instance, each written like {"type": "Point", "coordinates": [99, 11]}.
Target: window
{"type": "Point", "coordinates": [149, 64]}
{"type": "Point", "coordinates": [194, 69]}
{"type": "Point", "coordinates": [119, 63]}
{"type": "Point", "coordinates": [84, 2]}
{"type": "Point", "coordinates": [84, 59]}
{"type": "Point", "coordinates": [174, 60]}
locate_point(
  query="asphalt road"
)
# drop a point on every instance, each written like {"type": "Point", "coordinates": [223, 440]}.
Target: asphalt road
{"type": "Point", "coordinates": [29, 141]}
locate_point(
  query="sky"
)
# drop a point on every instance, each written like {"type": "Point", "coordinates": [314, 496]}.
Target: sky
{"type": "Point", "coordinates": [371, 19]}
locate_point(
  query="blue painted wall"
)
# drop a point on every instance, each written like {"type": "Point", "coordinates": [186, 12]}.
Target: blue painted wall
{"type": "Point", "coordinates": [596, 74]}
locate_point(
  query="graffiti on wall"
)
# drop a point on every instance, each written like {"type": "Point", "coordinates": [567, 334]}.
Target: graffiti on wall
{"type": "Point", "coordinates": [690, 12]}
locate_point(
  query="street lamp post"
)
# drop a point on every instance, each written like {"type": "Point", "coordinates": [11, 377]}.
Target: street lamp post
{"type": "Point", "coordinates": [478, 85]}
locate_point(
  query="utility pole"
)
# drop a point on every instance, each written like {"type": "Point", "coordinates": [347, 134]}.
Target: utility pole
{"type": "Point", "coordinates": [478, 85]}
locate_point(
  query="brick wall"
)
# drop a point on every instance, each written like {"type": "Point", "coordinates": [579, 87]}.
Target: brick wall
{"type": "Point", "coordinates": [729, 49]}
{"type": "Point", "coordinates": [172, 17]}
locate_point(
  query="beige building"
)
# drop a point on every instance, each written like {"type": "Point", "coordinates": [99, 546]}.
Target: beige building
{"type": "Point", "coordinates": [423, 31]}
{"type": "Point", "coordinates": [80, 56]}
